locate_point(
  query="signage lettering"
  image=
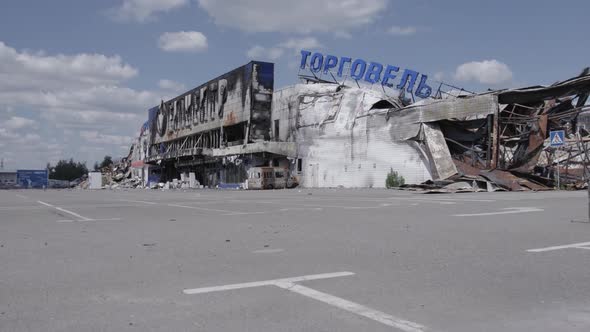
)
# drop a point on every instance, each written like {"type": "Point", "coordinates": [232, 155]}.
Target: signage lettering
{"type": "Point", "coordinates": [371, 72]}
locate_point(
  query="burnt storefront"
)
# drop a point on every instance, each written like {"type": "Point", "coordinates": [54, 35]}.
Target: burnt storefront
{"type": "Point", "coordinates": [216, 130]}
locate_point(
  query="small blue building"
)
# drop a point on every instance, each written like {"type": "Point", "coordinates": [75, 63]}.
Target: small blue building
{"type": "Point", "coordinates": [27, 178]}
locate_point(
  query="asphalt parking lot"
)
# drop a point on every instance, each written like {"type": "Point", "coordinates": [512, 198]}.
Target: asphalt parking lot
{"type": "Point", "coordinates": [293, 260]}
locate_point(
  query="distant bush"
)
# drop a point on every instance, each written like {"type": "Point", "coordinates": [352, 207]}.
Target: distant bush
{"type": "Point", "coordinates": [394, 180]}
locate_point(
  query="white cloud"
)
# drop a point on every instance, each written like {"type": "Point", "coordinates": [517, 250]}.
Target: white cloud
{"type": "Point", "coordinates": [260, 52]}
{"type": "Point", "coordinates": [67, 94]}
{"type": "Point", "coordinates": [96, 137]}
{"type": "Point", "coordinates": [30, 138]}
{"type": "Point", "coordinates": [20, 148]}
{"type": "Point", "coordinates": [301, 16]}
{"type": "Point", "coordinates": [401, 31]}
{"type": "Point", "coordinates": [64, 118]}
{"type": "Point", "coordinates": [77, 83]}
{"type": "Point", "coordinates": [484, 72]}
{"type": "Point", "coordinates": [275, 52]}
{"type": "Point", "coordinates": [144, 10]}
{"type": "Point", "coordinates": [343, 34]}
{"type": "Point", "coordinates": [297, 44]}
{"type": "Point", "coordinates": [17, 122]}
{"type": "Point", "coordinates": [183, 41]}
{"type": "Point", "coordinates": [17, 69]}
{"type": "Point", "coordinates": [293, 45]}
{"type": "Point", "coordinates": [170, 85]}
{"type": "Point", "coordinates": [4, 133]}
{"type": "Point", "coordinates": [78, 103]}
{"type": "Point", "coordinates": [438, 76]}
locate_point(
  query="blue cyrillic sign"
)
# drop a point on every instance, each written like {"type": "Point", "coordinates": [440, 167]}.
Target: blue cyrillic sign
{"type": "Point", "coordinates": [371, 72]}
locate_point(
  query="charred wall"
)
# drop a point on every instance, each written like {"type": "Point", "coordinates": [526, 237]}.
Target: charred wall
{"type": "Point", "coordinates": [197, 118]}
{"type": "Point", "coordinates": [342, 138]}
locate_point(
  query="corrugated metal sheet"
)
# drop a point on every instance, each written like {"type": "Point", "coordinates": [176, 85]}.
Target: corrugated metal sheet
{"type": "Point", "coordinates": [406, 121]}
{"type": "Point", "coordinates": [442, 165]}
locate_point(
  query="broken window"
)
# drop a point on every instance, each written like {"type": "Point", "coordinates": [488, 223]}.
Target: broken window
{"type": "Point", "coordinates": [181, 112]}
{"type": "Point", "coordinates": [299, 165]}
{"type": "Point", "coordinates": [235, 134]}
{"type": "Point", "coordinates": [203, 104]}
{"type": "Point", "coordinates": [212, 100]}
{"type": "Point", "coordinates": [276, 130]}
{"type": "Point", "coordinates": [195, 107]}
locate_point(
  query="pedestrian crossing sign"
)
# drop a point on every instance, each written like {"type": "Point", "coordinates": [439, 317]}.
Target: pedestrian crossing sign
{"type": "Point", "coordinates": [557, 138]}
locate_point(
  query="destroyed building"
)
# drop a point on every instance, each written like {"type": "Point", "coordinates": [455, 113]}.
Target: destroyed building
{"type": "Point", "coordinates": [330, 134]}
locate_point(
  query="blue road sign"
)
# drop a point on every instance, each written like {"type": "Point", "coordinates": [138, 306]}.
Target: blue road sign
{"type": "Point", "coordinates": [557, 138]}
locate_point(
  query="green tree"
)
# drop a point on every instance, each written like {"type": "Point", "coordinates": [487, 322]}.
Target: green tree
{"type": "Point", "coordinates": [107, 161]}
{"type": "Point", "coordinates": [67, 170]}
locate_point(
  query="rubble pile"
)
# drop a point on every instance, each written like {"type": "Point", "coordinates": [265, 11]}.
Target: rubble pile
{"type": "Point", "coordinates": [117, 175]}
{"type": "Point", "coordinates": [509, 148]}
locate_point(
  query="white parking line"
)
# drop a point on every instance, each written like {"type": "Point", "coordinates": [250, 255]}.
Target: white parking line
{"type": "Point", "coordinates": [72, 213]}
{"type": "Point", "coordinates": [143, 202]}
{"type": "Point", "coordinates": [289, 284]}
{"type": "Point", "coordinates": [82, 218]}
{"type": "Point", "coordinates": [21, 196]}
{"type": "Point", "coordinates": [580, 245]}
{"type": "Point", "coordinates": [355, 308]}
{"type": "Point", "coordinates": [440, 202]}
{"type": "Point", "coordinates": [242, 213]}
{"type": "Point", "coordinates": [266, 282]}
{"type": "Point", "coordinates": [504, 211]}
{"type": "Point", "coordinates": [107, 219]}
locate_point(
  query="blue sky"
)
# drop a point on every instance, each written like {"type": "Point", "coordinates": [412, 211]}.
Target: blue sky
{"type": "Point", "coordinates": [76, 77]}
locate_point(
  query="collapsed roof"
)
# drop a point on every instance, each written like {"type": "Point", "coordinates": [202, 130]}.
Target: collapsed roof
{"type": "Point", "coordinates": [501, 137]}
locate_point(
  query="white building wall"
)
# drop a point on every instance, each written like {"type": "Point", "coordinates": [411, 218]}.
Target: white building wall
{"type": "Point", "coordinates": [7, 178]}
{"type": "Point", "coordinates": [95, 179]}
{"type": "Point", "coordinates": [340, 141]}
